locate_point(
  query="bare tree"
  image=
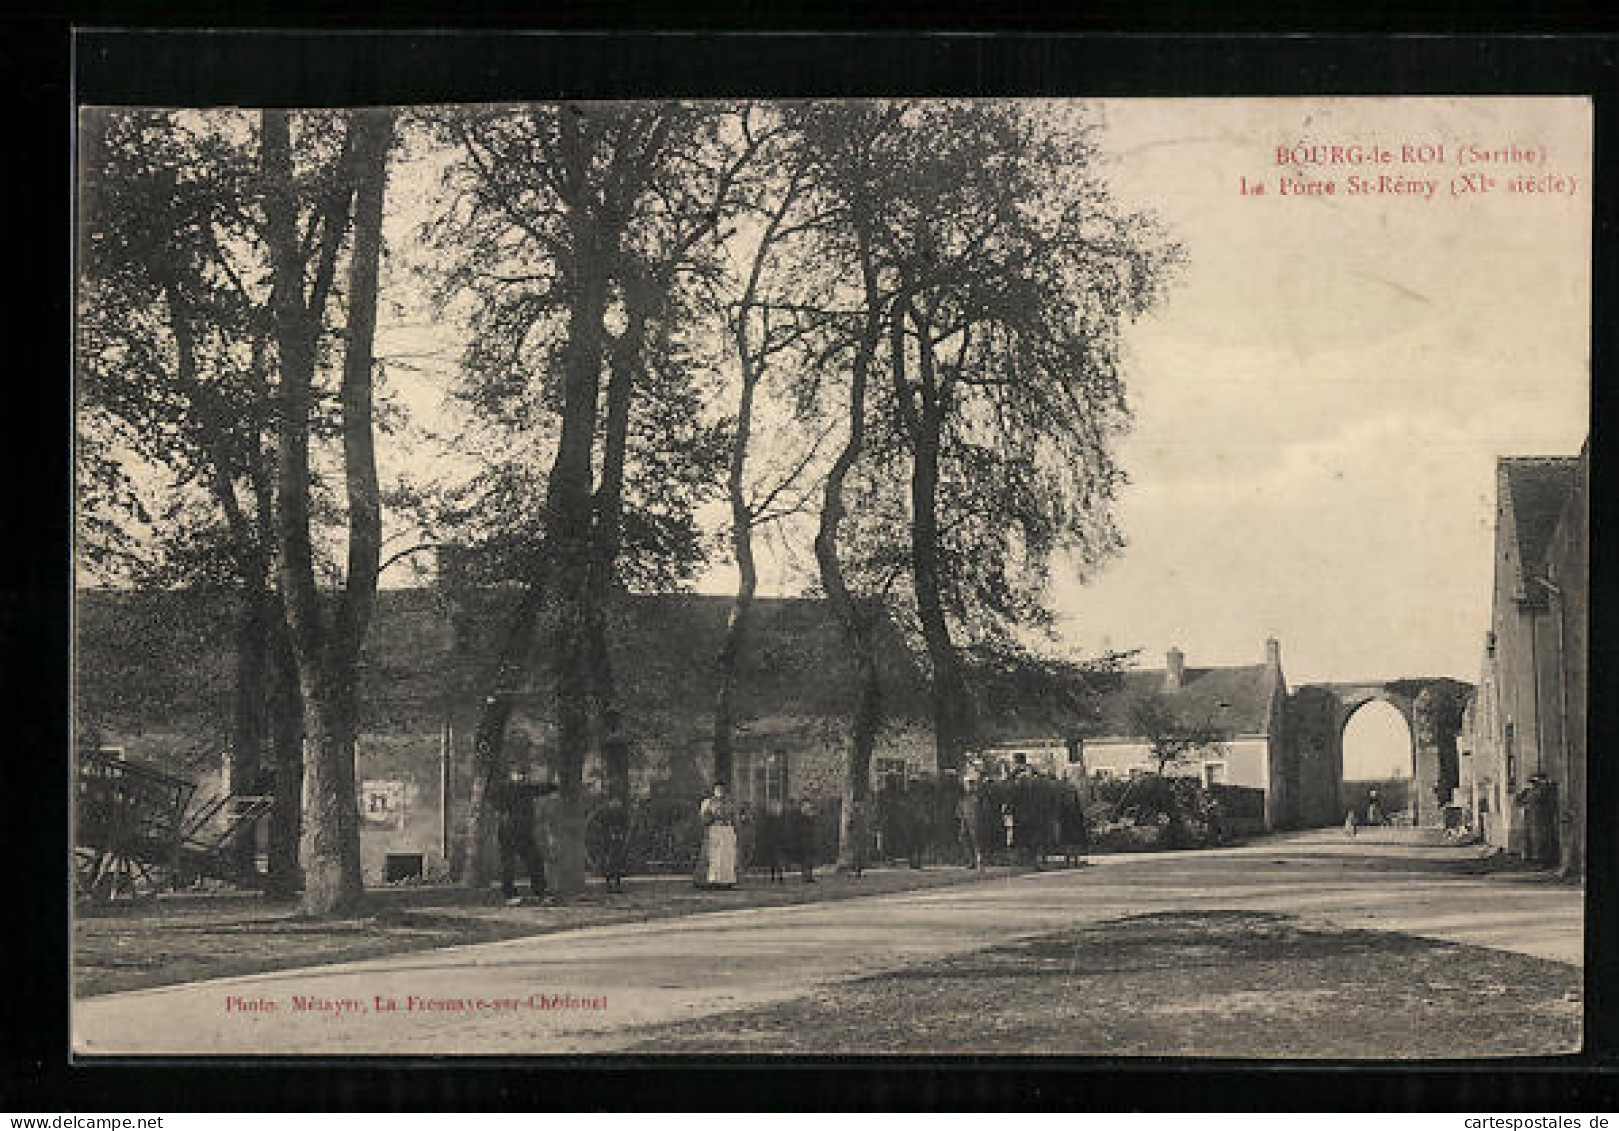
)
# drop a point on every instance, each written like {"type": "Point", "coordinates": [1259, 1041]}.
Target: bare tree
{"type": "Point", "coordinates": [1169, 735]}
{"type": "Point", "coordinates": [327, 641]}
{"type": "Point", "coordinates": [572, 214]}
{"type": "Point", "coordinates": [1014, 271]}
{"type": "Point", "coordinates": [768, 330]}
{"type": "Point", "coordinates": [844, 151]}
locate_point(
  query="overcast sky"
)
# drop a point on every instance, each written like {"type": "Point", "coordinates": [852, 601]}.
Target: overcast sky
{"type": "Point", "coordinates": [1321, 400]}
{"type": "Point", "coordinates": [1322, 396]}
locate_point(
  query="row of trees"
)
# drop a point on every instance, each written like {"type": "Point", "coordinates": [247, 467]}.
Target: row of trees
{"type": "Point", "coordinates": [910, 311]}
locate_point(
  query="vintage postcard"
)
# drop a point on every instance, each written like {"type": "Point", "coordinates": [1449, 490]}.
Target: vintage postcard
{"type": "Point", "coordinates": [1082, 577]}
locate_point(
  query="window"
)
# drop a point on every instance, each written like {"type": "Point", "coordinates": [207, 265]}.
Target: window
{"type": "Point", "coordinates": [891, 772]}
{"type": "Point", "coordinates": [765, 780]}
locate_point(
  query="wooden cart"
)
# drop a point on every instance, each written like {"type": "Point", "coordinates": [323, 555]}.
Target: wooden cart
{"type": "Point", "coordinates": [138, 830]}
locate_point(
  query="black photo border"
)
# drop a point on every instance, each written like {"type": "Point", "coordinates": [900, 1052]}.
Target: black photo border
{"type": "Point", "coordinates": [153, 54]}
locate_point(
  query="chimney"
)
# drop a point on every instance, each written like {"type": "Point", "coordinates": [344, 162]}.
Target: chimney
{"type": "Point", "coordinates": [1175, 673]}
{"type": "Point", "coordinates": [1273, 655]}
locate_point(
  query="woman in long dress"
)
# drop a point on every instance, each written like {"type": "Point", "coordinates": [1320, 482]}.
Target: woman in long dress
{"type": "Point", "coordinates": [716, 862]}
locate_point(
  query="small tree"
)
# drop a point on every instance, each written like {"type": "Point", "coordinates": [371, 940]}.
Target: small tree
{"type": "Point", "coordinates": [174, 420]}
{"type": "Point", "coordinates": [1172, 737]}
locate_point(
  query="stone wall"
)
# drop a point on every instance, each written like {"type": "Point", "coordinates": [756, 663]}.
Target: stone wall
{"type": "Point", "coordinates": [1314, 747]}
{"type": "Point", "coordinates": [1528, 718]}
{"type": "Point", "coordinates": [400, 802]}
{"type": "Point", "coordinates": [1568, 568]}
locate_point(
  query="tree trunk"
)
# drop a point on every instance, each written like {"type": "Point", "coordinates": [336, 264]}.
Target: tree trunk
{"type": "Point", "coordinates": [951, 703]}
{"type": "Point", "coordinates": [857, 623]}
{"type": "Point", "coordinates": [730, 657]}
{"type": "Point", "coordinates": [747, 585]}
{"type": "Point", "coordinates": [327, 654]}
{"type": "Point", "coordinates": [854, 830]}
{"type": "Point", "coordinates": [332, 877]}
{"type": "Point", "coordinates": [569, 514]}
{"type": "Point", "coordinates": [250, 712]}
{"type": "Point", "coordinates": [286, 710]}
{"type": "Point", "coordinates": [627, 354]}
{"type": "Point", "coordinates": [284, 699]}
{"type": "Point", "coordinates": [329, 844]}
{"type": "Point", "coordinates": [489, 737]}
{"type": "Point", "coordinates": [374, 137]}
{"type": "Point", "coordinates": [924, 405]}
{"type": "Point", "coordinates": [333, 884]}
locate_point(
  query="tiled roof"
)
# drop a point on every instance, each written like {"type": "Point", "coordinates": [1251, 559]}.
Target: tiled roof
{"type": "Point", "coordinates": [1235, 699]}
{"type": "Point", "coordinates": [1537, 488]}
{"type": "Point", "coordinates": [664, 648]}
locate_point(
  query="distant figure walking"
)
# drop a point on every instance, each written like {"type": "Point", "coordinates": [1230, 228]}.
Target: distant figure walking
{"type": "Point", "coordinates": [716, 862]}
{"type": "Point", "coordinates": [1374, 809]}
{"type": "Point", "coordinates": [1349, 825]}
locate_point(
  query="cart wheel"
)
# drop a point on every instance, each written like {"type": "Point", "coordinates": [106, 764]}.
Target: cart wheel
{"type": "Point", "coordinates": [108, 876]}
{"type": "Point", "coordinates": [89, 874]}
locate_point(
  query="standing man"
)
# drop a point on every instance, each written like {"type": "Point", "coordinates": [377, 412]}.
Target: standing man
{"type": "Point", "coordinates": [891, 831]}
{"type": "Point", "coordinates": [770, 841]}
{"type": "Point", "coordinates": [801, 839]}
{"type": "Point", "coordinates": [514, 832]}
{"type": "Point", "coordinates": [967, 823]}
{"type": "Point", "coordinates": [613, 835]}
{"type": "Point", "coordinates": [913, 816]}
{"type": "Point", "coordinates": [860, 832]}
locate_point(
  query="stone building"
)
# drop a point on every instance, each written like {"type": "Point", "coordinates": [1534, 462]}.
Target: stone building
{"type": "Point", "coordinates": [1526, 726]}
{"type": "Point", "coordinates": [155, 672]}
{"type": "Point", "coordinates": [1244, 704]}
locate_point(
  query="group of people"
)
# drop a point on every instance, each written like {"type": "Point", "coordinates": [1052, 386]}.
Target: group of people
{"type": "Point", "coordinates": [1022, 817]}
{"type": "Point", "coordinates": [1010, 817]}
{"type": "Point", "coordinates": [517, 801]}
{"type": "Point", "coordinates": [782, 836]}
{"type": "Point", "coordinates": [1374, 814]}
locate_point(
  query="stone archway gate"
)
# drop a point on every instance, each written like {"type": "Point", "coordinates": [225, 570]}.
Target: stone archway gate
{"type": "Point", "coordinates": [1313, 744]}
